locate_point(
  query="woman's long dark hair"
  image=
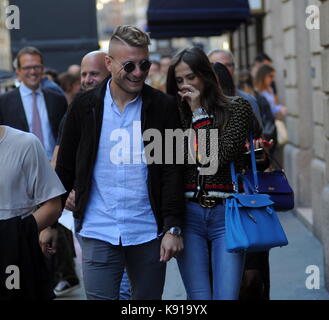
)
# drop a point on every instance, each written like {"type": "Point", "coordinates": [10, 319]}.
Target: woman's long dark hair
{"type": "Point", "coordinates": [225, 79]}
{"type": "Point", "coordinates": [212, 100]}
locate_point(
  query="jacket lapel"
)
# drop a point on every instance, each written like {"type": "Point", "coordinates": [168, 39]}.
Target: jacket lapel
{"type": "Point", "coordinates": [98, 106]}
{"type": "Point", "coordinates": [51, 111]}
{"type": "Point", "coordinates": [146, 98]}
{"type": "Point", "coordinates": [18, 111]}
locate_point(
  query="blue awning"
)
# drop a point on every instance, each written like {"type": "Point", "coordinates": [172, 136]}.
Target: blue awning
{"type": "Point", "coordinates": [189, 18]}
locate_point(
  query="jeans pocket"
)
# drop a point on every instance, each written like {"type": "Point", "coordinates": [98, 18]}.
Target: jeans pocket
{"type": "Point", "coordinates": [96, 251]}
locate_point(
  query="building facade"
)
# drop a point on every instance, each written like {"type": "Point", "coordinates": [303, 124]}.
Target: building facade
{"type": "Point", "coordinates": [5, 56]}
{"type": "Point", "coordinates": [295, 34]}
{"type": "Point", "coordinates": [134, 13]}
{"type": "Point", "coordinates": [109, 15]}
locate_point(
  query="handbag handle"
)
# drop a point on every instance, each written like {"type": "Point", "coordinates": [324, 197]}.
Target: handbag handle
{"type": "Point", "coordinates": [253, 162]}
{"type": "Point", "coordinates": [272, 159]}
{"type": "Point", "coordinates": [248, 186]}
{"type": "Point", "coordinates": [253, 165]}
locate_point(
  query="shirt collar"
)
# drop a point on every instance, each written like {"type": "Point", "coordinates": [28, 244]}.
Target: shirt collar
{"type": "Point", "coordinates": [110, 96]}
{"type": "Point", "coordinates": [25, 91]}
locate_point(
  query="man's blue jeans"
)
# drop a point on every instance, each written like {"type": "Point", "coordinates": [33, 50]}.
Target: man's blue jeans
{"type": "Point", "coordinates": [208, 271]}
{"type": "Point", "coordinates": [125, 291]}
{"type": "Point", "coordinates": [103, 266]}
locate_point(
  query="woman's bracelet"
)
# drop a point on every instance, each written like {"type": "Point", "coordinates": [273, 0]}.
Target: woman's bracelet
{"type": "Point", "coordinates": [199, 111]}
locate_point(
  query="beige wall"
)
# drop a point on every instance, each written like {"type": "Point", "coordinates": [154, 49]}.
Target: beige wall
{"type": "Point", "coordinates": [135, 12]}
{"type": "Point", "coordinates": [5, 56]}
{"type": "Point", "coordinates": [301, 58]}
{"type": "Point", "coordinates": [110, 16]}
{"type": "Point", "coordinates": [323, 126]}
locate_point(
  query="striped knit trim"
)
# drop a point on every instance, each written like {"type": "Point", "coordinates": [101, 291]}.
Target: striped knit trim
{"type": "Point", "coordinates": [200, 117]}
{"type": "Point", "coordinates": [202, 124]}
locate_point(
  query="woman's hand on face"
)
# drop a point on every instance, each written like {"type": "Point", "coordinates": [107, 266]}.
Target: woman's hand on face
{"type": "Point", "coordinates": [191, 95]}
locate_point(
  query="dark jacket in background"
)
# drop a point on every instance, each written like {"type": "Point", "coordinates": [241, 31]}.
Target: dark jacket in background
{"type": "Point", "coordinates": [19, 246]}
{"type": "Point", "coordinates": [12, 112]}
{"type": "Point", "coordinates": [268, 119]}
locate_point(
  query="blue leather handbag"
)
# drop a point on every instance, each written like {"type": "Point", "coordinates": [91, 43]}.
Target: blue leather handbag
{"type": "Point", "coordinates": [250, 219]}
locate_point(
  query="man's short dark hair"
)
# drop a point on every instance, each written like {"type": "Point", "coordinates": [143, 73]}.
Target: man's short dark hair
{"type": "Point", "coordinates": [263, 57]}
{"type": "Point", "coordinates": [28, 50]}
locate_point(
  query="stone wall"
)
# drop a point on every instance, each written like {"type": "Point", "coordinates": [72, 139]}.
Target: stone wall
{"type": "Point", "coordinates": [323, 183]}
{"type": "Point", "coordinates": [5, 56]}
{"type": "Point", "coordinates": [301, 59]}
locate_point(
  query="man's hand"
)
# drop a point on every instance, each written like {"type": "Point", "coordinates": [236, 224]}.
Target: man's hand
{"type": "Point", "coordinates": [70, 201]}
{"type": "Point", "coordinates": [170, 246]}
{"type": "Point", "coordinates": [48, 241]}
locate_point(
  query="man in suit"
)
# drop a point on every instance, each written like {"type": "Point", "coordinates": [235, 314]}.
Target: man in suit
{"type": "Point", "coordinates": [30, 108]}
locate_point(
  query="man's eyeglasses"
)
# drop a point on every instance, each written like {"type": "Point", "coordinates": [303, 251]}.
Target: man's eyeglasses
{"type": "Point", "coordinates": [30, 68]}
{"type": "Point", "coordinates": [130, 66]}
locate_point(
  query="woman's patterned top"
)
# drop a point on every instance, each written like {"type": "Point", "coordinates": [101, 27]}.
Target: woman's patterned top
{"type": "Point", "coordinates": [231, 147]}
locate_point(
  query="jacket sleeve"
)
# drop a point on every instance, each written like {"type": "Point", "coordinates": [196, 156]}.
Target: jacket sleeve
{"type": "Point", "coordinates": [66, 160]}
{"type": "Point", "coordinates": [172, 182]}
{"type": "Point", "coordinates": [235, 133]}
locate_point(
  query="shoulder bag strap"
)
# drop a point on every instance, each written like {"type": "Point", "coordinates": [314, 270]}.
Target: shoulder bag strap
{"type": "Point", "coordinates": [253, 162]}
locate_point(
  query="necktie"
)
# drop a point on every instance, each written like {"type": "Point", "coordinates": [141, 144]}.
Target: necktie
{"type": "Point", "coordinates": [36, 121]}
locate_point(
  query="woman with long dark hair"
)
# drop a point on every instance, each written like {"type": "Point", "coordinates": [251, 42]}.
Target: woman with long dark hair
{"type": "Point", "coordinates": [203, 106]}
{"type": "Point", "coordinates": [225, 79]}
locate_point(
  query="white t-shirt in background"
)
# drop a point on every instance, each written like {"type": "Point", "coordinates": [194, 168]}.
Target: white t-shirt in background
{"type": "Point", "coordinates": [26, 176]}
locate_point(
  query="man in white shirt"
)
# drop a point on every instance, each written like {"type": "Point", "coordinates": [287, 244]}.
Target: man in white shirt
{"type": "Point", "coordinates": [129, 214]}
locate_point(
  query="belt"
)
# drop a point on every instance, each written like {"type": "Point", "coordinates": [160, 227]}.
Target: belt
{"type": "Point", "coordinates": [207, 201]}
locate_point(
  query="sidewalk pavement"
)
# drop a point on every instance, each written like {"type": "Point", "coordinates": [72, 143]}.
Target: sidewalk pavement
{"type": "Point", "coordinates": [288, 265]}
{"type": "Point", "coordinates": [289, 280]}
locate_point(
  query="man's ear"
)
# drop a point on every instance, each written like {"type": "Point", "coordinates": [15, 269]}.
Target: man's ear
{"type": "Point", "coordinates": [108, 63]}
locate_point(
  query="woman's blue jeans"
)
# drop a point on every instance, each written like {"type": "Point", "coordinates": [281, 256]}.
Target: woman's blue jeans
{"type": "Point", "coordinates": [208, 271]}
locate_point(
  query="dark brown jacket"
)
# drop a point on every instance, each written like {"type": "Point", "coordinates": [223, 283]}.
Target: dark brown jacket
{"type": "Point", "coordinates": [79, 145]}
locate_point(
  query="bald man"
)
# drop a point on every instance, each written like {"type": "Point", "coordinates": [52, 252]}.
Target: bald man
{"type": "Point", "coordinates": [93, 72]}
{"type": "Point", "coordinates": [93, 69]}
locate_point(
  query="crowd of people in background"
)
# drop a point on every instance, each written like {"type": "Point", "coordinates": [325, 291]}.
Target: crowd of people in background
{"type": "Point", "coordinates": [129, 221]}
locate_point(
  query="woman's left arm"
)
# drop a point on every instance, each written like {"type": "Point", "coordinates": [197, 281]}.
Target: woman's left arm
{"type": "Point", "coordinates": [233, 137]}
